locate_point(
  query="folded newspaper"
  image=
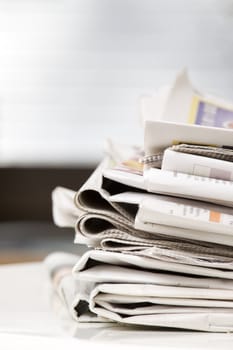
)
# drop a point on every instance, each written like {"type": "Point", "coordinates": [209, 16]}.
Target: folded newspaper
{"type": "Point", "coordinates": [114, 214]}
{"type": "Point", "coordinates": [181, 102]}
{"type": "Point", "coordinates": [109, 286]}
{"type": "Point", "coordinates": [158, 220]}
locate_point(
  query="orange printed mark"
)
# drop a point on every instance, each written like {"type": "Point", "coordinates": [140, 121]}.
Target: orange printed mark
{"type": "Point", "coordinates": [133, 164]}
{"type": "Point", "coordinates": [215, 216]}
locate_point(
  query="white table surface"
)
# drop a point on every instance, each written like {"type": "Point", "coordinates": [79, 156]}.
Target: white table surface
{"type": "Point", "coordinates": [26, 319]}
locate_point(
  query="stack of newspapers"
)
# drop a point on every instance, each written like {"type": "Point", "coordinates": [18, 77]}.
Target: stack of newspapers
{"type": "Point", "coordinates": [159, 224]}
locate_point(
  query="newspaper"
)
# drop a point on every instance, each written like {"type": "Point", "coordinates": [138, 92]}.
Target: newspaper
{"type": "Point", "coordinates": [161, 239]}
{"type": "Point", "coordinates": [183, 103]}
{"type": "Point", "coordinates": [180, 212]}
{"type": "Point", "coordinates": [159, 135]}
{"type": "Point", "coordinates": [187, 214]}
{"type": "Point", "coordinates": [92, 198]}
{"type": "Point", "coordinates": [107, 287]}
{"type": "Point", "coordinates": [144, 233]}
{"type": "Point", "coordinates": [164, 247]}
{"type": "Point", "coordinates": [197, 220]}
{"type": "Point", "coordinates": [109, 233]}
{"type": "Point", "coordinates": [197, 165]}
{"type": "Point", "coordinates": [70, 293]}
{"type": "Point", "coordinates": [64, 211]}
{"type": "Point", "coordinates": [112, 218]}
{"type": "Point", "coordinates": [222, 153]}
{"type": "Point", "coordinates": [177, 233]}
{"type": "Point", "coordinates": [178, 184]}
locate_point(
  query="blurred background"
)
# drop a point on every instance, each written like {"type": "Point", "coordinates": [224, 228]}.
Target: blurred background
{"type": "Point", "coordinates": [71, 75]}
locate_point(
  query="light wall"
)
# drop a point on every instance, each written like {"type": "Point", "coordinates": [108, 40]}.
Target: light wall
{"type": "Point", "coordinates": [72, 71]}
